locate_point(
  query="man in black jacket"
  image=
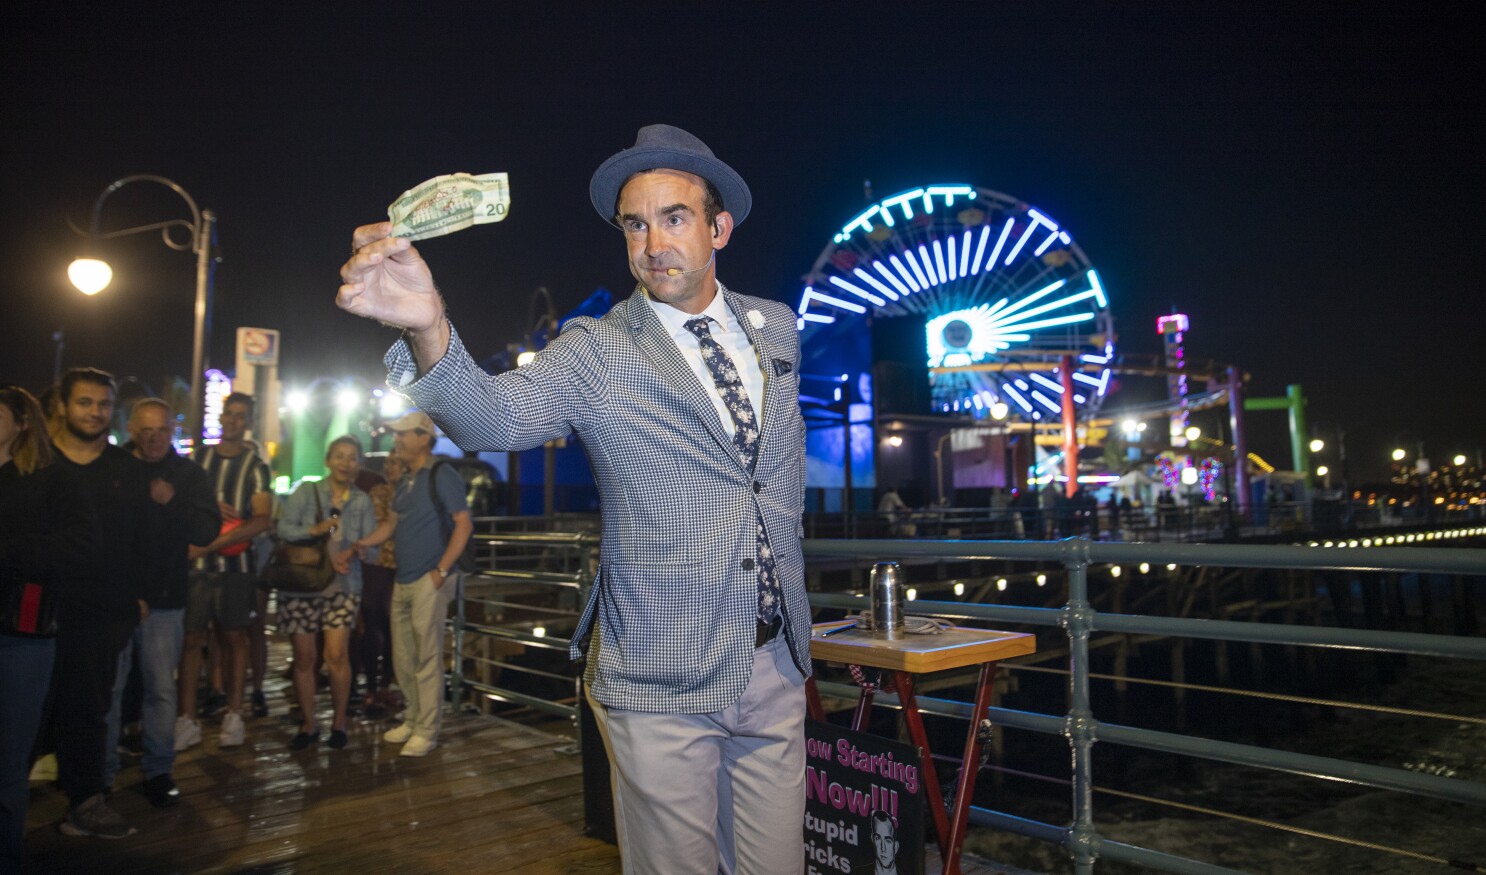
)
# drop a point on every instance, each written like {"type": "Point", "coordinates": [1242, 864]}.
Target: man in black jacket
{"type": "Point", "coordinates": [182, 511]}
{"type": "Point", "coordinates": [99, 607]}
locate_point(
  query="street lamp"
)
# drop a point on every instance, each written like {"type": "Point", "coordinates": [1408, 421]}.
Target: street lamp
{"type": "Point", "coordinates": [92, 275]}
{"type": "Point", "coordinates": [1317, 445]}
{"type": "Point", "coordinates": [1459, 460]}
{"type": "Point", "coordinates": [1399, 454]}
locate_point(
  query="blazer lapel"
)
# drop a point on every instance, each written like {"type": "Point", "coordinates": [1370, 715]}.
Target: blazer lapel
{"type": "Point", "coordinates": [651, 336]}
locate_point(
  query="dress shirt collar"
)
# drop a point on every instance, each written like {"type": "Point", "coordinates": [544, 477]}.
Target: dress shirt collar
{"type": "Point", "coordinates": [675, 320]}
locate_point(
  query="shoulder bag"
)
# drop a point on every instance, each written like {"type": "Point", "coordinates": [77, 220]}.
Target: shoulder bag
{"type": "Point", "coordinates": [302, 567]}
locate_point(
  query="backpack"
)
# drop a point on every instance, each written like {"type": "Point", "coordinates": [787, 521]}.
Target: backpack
{"type": "Point", "coordinates": [466, 561]}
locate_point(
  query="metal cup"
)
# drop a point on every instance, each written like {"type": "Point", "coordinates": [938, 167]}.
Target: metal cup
{"type": "Point", "coordinates": [887, 600]}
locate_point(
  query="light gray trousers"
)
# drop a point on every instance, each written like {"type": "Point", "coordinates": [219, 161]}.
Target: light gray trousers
{"type": "Point", "coordinates": [721, 792]}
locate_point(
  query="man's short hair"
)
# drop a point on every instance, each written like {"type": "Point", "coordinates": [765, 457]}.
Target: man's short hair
{"type": "Point", "coordinates": [86, 375]}
{"type": "Point", "coordinates": [142, 403]}
{"type": "Point", "coordinates": [241, 398]}
{"type": "Point", "coordinates": [711, 201]}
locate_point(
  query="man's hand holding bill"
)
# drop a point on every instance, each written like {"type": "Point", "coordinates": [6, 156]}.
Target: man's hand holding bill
{"type": "Point", "coordinates": [387, 280]}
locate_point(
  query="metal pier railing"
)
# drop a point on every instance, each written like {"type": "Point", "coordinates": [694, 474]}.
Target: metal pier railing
{"type": "Point", "coordinates": [528, 599]}
{"type": "Point", "coordinates": [1078, 619]}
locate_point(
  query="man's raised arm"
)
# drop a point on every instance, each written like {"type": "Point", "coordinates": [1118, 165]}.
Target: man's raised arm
{"type": "Point", "coordinates": [387, 280]}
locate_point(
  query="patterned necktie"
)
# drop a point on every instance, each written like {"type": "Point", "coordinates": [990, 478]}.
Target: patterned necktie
{"type": "Point", "coordinates": [745, 438]}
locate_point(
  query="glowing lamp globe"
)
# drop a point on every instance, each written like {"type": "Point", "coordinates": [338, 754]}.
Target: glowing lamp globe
{"type": "Point", "coordinates": [1398, 455]}
{"type": "Point", "coordinates": [1193, 433]}
{"type": "Point", "coordinates": [90, 275]}
{"type": "Point", "coordinates": [1459, 460]}
{"type": "Point", "coordinates": [1317, 445]}
{"type": "Point", "coordinates": [1189, 476]}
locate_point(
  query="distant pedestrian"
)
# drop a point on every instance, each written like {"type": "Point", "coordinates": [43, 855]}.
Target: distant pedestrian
{"type": "Point", "coordinates": [432, 525]}
{"type": "Point", "coordinates": [224, 587]}
{"type": "Point", "coordinates": [47, 534]}
{"type": "Point", "coordinates": [378, 577]}
{"type": "Point", "coordinates": [182, 512]}
{"type": "Point", "coordinates": [100, 607]}
{"type": "Point", "coordinates": [334, 511]}
{"type": "Point", "coordinates": [898, 515]}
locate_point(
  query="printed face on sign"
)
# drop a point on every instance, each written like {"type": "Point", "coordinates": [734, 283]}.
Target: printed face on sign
{"type": "Point", "coordinates": [884, 841]}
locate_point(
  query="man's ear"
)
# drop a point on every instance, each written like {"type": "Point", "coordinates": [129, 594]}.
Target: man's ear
{"type": "Point", "coordinates": [722, 229]}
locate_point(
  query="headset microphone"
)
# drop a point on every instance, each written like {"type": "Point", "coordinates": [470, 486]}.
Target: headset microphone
{"type": "Point", "coordinates": [678, 272]}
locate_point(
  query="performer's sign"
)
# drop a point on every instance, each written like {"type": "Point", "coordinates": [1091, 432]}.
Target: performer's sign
{"type": "Point", "coordinates": [864, 809]}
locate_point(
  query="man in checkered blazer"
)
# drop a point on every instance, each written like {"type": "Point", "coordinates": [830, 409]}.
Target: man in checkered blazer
{"type": "Point", "coordinates": [685, 397]}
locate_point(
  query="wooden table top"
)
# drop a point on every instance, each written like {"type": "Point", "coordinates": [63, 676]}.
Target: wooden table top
{"type": "Point", "coordinates": [952, 648]}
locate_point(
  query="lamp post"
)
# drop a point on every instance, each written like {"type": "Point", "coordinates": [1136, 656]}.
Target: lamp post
{"type": "Point", "coordinates": [92, 275]}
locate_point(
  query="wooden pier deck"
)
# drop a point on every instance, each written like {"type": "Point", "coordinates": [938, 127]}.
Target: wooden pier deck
{"type": "Point", "coordinates": [495, 796]}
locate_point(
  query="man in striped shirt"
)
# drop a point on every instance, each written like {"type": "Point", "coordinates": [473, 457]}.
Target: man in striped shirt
{"type": "Point", "coordinates": [223, 590]}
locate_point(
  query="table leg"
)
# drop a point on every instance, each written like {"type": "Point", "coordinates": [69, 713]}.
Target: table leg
{"type": "Point", "coordinates": [969, 768]}
{"type": "Point", "coordinates": [812, 701]}
{"type": "Point", "coordinates": [930, 778]}
{"type": "Point", "coordinates": [862, 716]}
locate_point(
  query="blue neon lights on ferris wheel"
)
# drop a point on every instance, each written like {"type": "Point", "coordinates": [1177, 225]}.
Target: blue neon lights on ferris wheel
{"type": "Point", "coordinates": [922, 266]}
{"type": "Point", "coordinates": [882, 212]}
{"type": "Point", "coordinates": [997, 282]}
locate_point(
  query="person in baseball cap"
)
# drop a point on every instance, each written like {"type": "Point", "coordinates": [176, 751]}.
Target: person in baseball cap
{"type": "Point", "coordinates": [413, 420]}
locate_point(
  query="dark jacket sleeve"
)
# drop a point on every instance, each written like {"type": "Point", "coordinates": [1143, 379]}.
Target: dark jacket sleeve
{"type": "Point", "coordinates": [67, 544]}
{"type": "Point", "coordinates": [194, 513]}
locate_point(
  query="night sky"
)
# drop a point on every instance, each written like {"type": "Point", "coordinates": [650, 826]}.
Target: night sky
{"type": "Point", "coordinates": [1307, 185]}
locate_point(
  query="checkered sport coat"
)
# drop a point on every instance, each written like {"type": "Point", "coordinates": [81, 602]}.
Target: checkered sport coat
{"type": "Point", "coordinates": [674, 603]}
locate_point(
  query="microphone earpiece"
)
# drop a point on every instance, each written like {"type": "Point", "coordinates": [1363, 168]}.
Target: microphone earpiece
{"type": "Point", "coordinates": [676, 271]}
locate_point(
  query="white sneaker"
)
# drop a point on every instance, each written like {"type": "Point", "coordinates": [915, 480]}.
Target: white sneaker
{"type": "Point", "coordinates": [418, 746]}
{"type": "Point", "coordinates": [232, 730]}
{"type": "Point", "coordinates": [398, 734]}
{"type": "Point", "coordinates": [187, 732]}
{"type": "Point", "coordinates": [45, 769]}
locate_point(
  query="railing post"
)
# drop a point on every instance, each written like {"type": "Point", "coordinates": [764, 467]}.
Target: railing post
{"type": "Point", "coordinates": [456, 659]}
{"type": "Point", "coordinates": [1077, 621]}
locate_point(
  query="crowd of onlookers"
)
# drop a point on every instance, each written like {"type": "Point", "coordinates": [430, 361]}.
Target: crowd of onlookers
{"type": "Point", "coordinates": [135, 583]}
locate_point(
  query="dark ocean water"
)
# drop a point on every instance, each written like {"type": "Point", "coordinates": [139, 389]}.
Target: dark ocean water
{"type": "Point", "coordinates": [1447, 747]}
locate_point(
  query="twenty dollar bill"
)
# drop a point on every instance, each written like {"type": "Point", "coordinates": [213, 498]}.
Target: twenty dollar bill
{"type": "Point", "coordinates": [446, 204]}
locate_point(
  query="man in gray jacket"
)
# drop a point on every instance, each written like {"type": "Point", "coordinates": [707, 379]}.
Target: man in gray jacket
{"type": "Point", "coordinates": [685, 397]}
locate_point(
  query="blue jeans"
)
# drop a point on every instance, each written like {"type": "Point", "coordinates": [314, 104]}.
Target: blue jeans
{"type": "Point", "coordinates": [158, 640]}
{"type": "Point", "coordinates": [25, 674]}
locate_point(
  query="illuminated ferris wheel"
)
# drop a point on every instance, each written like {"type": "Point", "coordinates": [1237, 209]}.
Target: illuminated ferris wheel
{"type": "Point", "coordinates": [1005, 291]}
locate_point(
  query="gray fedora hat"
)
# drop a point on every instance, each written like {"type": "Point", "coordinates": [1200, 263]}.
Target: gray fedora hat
{"type": "Point", "coordinates": [669, 147]}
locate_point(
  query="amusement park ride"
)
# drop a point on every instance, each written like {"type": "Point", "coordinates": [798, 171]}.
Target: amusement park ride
{"type": "Point", "coordinates": [1017, 339]}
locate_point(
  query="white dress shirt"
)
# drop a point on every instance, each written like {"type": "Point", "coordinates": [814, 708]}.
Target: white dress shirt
{"type": "Point", "coordinates": [729, 334]}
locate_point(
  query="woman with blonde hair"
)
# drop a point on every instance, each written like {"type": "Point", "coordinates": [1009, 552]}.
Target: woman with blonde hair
{"type": "Point", "coordinates": [46, 534]}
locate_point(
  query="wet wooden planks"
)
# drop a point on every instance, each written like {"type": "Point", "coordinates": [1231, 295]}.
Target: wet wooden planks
{"type": "Point", "coordinates": [494, 797]}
